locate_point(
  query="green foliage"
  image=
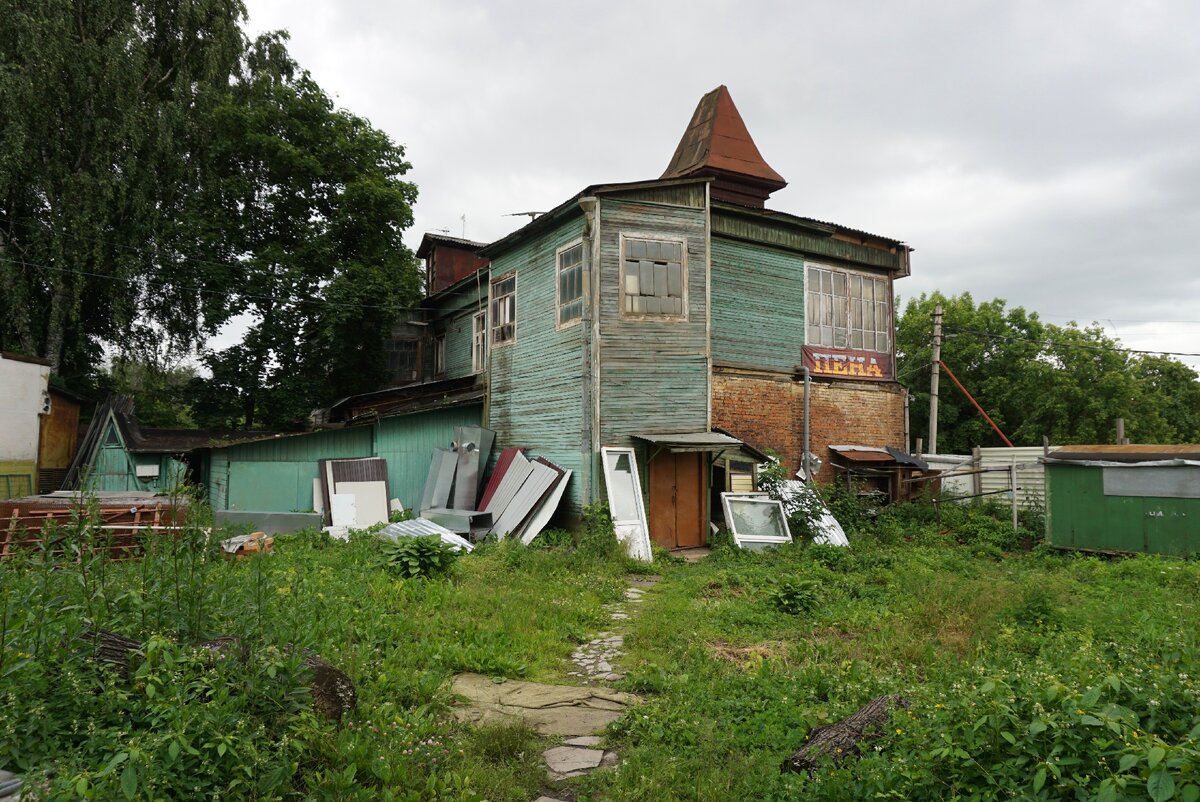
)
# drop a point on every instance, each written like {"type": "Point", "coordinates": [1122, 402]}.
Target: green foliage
{"type": "Point", "coordinates": [795, 595]}
{"type": "Point", "coordinates": [1034, 378]}
{"type": "Point", "coordinates": [426, 557]}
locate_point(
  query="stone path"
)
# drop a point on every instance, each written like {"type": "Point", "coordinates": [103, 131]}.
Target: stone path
{"type": "Point", "coordinates": [577, 713]}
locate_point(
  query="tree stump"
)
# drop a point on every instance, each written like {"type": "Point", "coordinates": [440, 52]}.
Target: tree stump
{"type": "Point", "coordinates": [333, 693]}
{"type": "Point", "coordinates": [111, 648]}
{"type": "Point", "coordinates": [834, 742]}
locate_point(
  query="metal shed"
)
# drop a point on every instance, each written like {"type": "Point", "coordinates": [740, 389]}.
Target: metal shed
{"type": "Point", "coordinates": [1124, 498]}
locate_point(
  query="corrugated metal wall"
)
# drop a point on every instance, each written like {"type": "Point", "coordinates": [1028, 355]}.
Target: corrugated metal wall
{"type": "Point", "coordinates": [536, 382]}
{"type": "Point", "coordinates": [407, 443]}
{"type": "Point", "coordinates": [758, 305]}
{"type": "Point", "coordinates": [1031, 475]}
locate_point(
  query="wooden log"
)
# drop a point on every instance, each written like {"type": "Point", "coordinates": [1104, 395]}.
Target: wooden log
{"type": "Point", "coordinates": [111, 648]}
{"type": "Point", "coordinates": [834, 742]}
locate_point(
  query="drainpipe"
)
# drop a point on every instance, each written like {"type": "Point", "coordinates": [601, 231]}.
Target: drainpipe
{"type": "Point", "coordinates": [807, 450]}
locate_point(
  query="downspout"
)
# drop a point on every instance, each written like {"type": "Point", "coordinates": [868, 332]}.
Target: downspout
{"type": "Point", "coordinates": [590, 335]}
{"type": "Point", "coordinates": [807, 450]}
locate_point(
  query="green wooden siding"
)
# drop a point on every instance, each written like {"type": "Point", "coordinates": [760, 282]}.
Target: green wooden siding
{"type": "Point", "coordinates": [758, 305]}
{"type": "Point", "coordinates": [407, 443]}
{"type": "Point", "coordinates": [458, 346]}
{"type": "Point", "coordinates": [536, 382]}
{"type": "Point", "coordinates": [1080, 516]}
{"type": "Point", "coordinates": [691, 195]}
{"type": "Point", "coordinates": [745, 226]}
{"type": "Point", "coordinates": [653, 375]}
{"type": "Point", "coordinates": [276, 475]}
{"type": "Point", "coordinates": [453, 314]}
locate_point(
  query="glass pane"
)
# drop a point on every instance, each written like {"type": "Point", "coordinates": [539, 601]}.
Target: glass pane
{"type": "Point", "coordinates": [839, 313]}
{"type": "Point", "coordinates": [814, 335]}
{"type": "Point", "coordinates": [856, 283]}
{"type": "Point", "coordinates": [647, 277]}
{"type": "Point", "coordinates": [826, 282]}
{"type": "Point", "coordinates": [675, 279]}
{"type": "Point", "coordinates": [839, 285]}
{"type": "Point", "coordinates": [757, 518]}
{"type": "Point", "coordinates": [660, 280]}
{"type": "Point", "coordinates": [631, 279]}
{"type": "Point", "coordinates": [839, 338]}
{"type": "Point", "coordinates": [814, 279]}
{"type": "Point", "coordinates": [856, 339]}
{"type": "Point", "coordinates": [881, 342]}
{"type": "Point", "coordinates": [621, 491]}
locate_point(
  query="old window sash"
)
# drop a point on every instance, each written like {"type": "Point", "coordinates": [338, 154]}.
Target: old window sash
{"type": "Point", "coordinates": [848, 310]}
{"type": "Point", "coordinates": [439, 355]}
{"type": "Point", "coordinates": [653, 277]}
{"type": "Point", "coordinates": [755, 520]}
{"type": "Point", "coordinates": [404, 360]}
{"type": "Point", "coordinates": [569, 285]}
{"type": "Point", "coordinates": [625, 501]}
{"type": "Point", "coordinates": [479, 342]}
{"type": "Point", "coordinates": [504, 309]}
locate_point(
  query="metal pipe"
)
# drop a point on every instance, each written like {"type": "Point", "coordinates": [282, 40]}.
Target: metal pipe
{"type": "Point", "coordinates": [804, 461]}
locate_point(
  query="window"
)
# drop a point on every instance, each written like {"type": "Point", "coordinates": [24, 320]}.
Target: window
{"type": "Point", "coordinates": [479, 342]}
{"type": "Point", "coordinates": [848, 310]}
{"type": "Point", "coordinates": [653, 278]}
{"type": "Point", "coordinates": [504, 309]}
{"type": "Point", "coordinates": [570, 283]}
{"type": "Point", "coordinates": [439, 355]}
{"type": "Point", "coordinates": [403, 358]}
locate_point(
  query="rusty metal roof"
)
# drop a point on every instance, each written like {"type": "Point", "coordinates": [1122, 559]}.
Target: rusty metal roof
{"type": "Point", "coordinates": [1127, 453]}
{"type": "Point", "coordinates": [716, 141]}
{"type": "Point", "coordinates": [429, 239]}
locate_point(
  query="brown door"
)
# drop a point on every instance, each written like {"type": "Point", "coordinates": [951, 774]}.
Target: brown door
{"type": "Point", "coordinates": [677, 500]}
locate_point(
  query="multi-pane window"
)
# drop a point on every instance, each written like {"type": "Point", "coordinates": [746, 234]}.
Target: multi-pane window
{"type": "Point", "coordinates": [504, 309]}
{"type": "Point", "coordinates": [404, 362]}
{"type": "Point", "coordinates": [479, 342]}
{"type": "Point", "coordinates": [653, 277]}
{"type": "Point", "coordinates": [570, 283]}
{"type": "Point", "coordinates": [848, 310]}
{"type": "Point", "coordinates": [439, 355]}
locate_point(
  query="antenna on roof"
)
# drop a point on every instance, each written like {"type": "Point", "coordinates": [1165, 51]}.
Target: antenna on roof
{"type": "Point", "coordinates": [531, 215]}
{"type": "Point", "coordinates": [464, 222]}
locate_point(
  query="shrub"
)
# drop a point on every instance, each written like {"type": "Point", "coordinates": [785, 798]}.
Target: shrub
{"type": "Point", "coordinates": [414, 557]}
{"type": "Point", "coordinates": [795, 595]}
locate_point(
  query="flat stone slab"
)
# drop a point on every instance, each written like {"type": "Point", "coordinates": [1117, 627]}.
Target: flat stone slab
{"type": "Point", "coordinates": [565, 710]}
{"type": "Point", "coordinates": [583, 740]}
{"type": "Point", "coordinates": [547, 799]}
{"type": "Point", "coordinates": [569, 759]}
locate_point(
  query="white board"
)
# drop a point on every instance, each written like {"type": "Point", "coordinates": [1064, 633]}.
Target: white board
{"type": "Point", "coordinates": [318, 496]}
{"type": "Point", "coordinates": [625, 501]}
{"type": "Point", "coordinates": [342, 509]}
{"type": "Point", "coordinates": [541, 477]}
{"type": "Point", "coordinates": [371, 501]}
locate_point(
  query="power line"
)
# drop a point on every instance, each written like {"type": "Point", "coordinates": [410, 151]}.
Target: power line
{"type": "Point", "coordinates": [1062, 344]}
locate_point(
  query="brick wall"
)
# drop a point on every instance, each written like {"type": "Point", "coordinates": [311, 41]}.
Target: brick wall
{"type": "Point", "coordinates": [766, 410]}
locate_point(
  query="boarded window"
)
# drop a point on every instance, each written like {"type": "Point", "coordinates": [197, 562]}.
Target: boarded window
{"type": "Point", "coordinates": [504, 309]}
{"type": "Point", "coordinates": [848, 310]}
{"type": "Point", "coordinates": [653, 278]}
{"type": "Point", "coordinates": [479, 342]}
{"type": "Point", "coordinates": [570, 284]}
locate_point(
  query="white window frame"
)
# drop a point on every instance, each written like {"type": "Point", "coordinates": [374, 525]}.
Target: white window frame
{"type": "Point", "coordinates": [559, 324]}
{"type": "Point", "coordinates": [479, 341]}
{"type": "Point", "coordinates": [625, 236]}
{"type": "Point", "coordinates": [755, 540]}
{"type": "Point", "coordinates": [847, 309]}
{"type": "Point", "coordinates": [493, 323]}
{"type": "Point", "coordinates": [633, 532]}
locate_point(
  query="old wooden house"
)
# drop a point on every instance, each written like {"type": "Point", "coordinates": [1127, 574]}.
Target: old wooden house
{"type": "Point", "coordinates": [673, 316]}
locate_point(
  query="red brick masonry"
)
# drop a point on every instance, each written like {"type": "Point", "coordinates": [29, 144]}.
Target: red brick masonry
{"type": "Point", "coordinates": [766, 409]}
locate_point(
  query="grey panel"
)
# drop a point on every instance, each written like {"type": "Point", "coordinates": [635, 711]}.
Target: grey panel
{"type": "Point", "coordinates": [1154, 482]}
{"type": "Point", "coordinates": [441, 471]}
{"type": "Point", "coordinates": [661, 284]}
{"type": "Point", "coordinates": [466, 476]}
{"type": "Point", "coordinates": [545, 510]}
{"type": "Point", "coordinates": [273, 523]}
{"type": "Point", "coordinates": [675, 280]}
{"type": "Point", "coordinates": [647, 277]}
{"type": "Point", "coordinates": [540, 479]}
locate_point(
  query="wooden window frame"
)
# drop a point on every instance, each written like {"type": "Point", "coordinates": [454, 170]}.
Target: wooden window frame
{"type": "Point", "coordinates": [493, 325]}
{"type": "Point", "coordinates": [847, 309]}
{"type": "Point", "coordinates": [479, 341]}
{"type": "Point", "coordinates": [439, 355]}
{"type": "Point", "coordinates": [415, 342]}
{"type": "Point", "coordinates": [625, 236]}
{"type": "Point", "coordinates": [559, 324]}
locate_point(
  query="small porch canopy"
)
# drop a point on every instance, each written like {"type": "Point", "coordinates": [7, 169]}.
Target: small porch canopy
{"type": "Point", "coordinates": [716, 444]}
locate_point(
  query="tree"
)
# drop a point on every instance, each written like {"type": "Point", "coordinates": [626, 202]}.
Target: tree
{"type": "Point", "coordinates": [310, 201]}
{"type": "Point", "coordinates": [102, 110]}
{"type": "Point", "coordinates": [1069, 383]}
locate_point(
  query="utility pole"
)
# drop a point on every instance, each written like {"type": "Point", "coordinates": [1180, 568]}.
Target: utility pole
{"type": "Point", "coordinates": [933, 379]}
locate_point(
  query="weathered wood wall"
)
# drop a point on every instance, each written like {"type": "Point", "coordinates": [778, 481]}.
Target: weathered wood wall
{"type": "Point", "coordinates": [758, 305]}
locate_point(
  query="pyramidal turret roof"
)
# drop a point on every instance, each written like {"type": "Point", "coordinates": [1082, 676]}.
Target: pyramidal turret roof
{"type": "Point", "coordinates": [716, 143]}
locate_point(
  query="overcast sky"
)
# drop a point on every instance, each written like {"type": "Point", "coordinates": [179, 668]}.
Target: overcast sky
{"type": "Point", "coordinates": [1043, 152]}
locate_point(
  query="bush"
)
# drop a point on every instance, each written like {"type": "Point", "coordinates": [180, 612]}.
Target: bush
{"type": "Point", "coordinates": [412, 557]}
{"type": "Point", "coordinates": [795, 595]}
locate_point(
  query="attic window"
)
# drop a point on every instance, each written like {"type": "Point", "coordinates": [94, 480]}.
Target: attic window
{"type": "Point", "coordinates": [653, 278]}
{"type": "Point", "coordinates": [504, 309]}
{"type": "Point", "coordinates": [570, 283]}
{"type": "Point", "coordinates": [848, 310]}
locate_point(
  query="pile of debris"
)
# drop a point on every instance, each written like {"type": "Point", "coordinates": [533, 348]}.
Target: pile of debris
{"type": "Point", "coordinates": [518, 500]}
{"type": "Point", "coordinates": [353, 494]}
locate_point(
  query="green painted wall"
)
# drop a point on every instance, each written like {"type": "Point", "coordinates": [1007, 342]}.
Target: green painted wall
{"type": "Point", "coordinates": [536, 382]}
{"type": "Point", "coordinates": [752, 226]}
{"type": "Point", "coordinates": [1080, 516]}
{"type": "Point", "coordinates": [653, 375]}
{"type": "Point", "coordinates": [456, 310]}
{"type": "Point", "coordinates": [458, 346]}
{"type": "Point", "coordinates": [407, 443]}
{"type": "Point", "coordinates": [758, 305]}
{"type": "Point", "coordinates": [276, 475]}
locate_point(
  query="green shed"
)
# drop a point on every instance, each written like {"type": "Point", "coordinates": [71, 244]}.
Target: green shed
{"type": "Point", "coordinates": [1124, 499]}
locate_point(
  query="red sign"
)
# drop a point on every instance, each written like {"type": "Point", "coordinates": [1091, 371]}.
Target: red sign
{"type": "Point", "coordinates": [845, 363]}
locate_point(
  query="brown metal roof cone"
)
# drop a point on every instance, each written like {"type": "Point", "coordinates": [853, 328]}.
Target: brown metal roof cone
{"type": "Point", "coordinates": [717, 143]}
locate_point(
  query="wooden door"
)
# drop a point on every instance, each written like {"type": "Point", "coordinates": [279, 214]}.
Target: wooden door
{"type": "Point", "coordinates": [677, 500]}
